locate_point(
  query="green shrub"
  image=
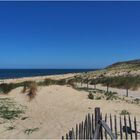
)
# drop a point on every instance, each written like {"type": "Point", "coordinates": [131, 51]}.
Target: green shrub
{"type": "Point", "coordinates": [111, 95]}
{"type": "Point", "coordinates": [71, 82]}
{"type": "Point", "coordinates": [48, 82]}
{"type": "Point", "coordinates": [90, 96]}
{"type": "Point", "coordinates": [6, 88]}
{"type": "Point", "coordinates": [98, 98]}
{"type": "Point", "coordinates": [137, 101]}
{"type": "Point", "coordinates": [61, 82]}
{"type": "Point", "coordinates": [124, 112]}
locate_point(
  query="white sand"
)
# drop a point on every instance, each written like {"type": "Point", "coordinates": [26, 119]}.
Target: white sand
{"type": "Point", "coordinates": [56, 109]}
{"type": "Point", "coordinates": [38, 78]}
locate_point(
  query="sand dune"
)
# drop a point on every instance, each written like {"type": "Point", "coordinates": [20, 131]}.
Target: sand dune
{"type": "Point", "coordinates": [55, 110]}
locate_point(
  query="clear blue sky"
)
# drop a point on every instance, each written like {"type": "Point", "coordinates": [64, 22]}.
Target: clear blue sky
{"type": "Point", "coordinates": [68, 34]}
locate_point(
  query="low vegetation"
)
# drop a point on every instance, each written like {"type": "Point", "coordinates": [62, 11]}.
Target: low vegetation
{"type": "Point", "coordinates": [5, 88]}
{"type": "Point", "coordinates": [31, 130]}
{"type": "Point", "coordinates": [97, 95]}
{"type": "Point", "coordinates": [9, 109]}
{"type": "Point", "coordinates": [26, 86]}
{"type": "Point", "coordinates": [129, 82]}
{"type": "Point", "coordinates": [124, 112]}
{"type": "Point", "coordinates": [85, 89]}
{"type": "Point", "coordinates": [48, 82]}
{"type": "Point", "coordinates": [132, 64]}
{"type": "Point", "coordinates": [98, 98]}
{"type": "Point", "coordinates": [111, 95]}
{"type": "Point", "coordinates": [137, 101]}
{"type": "Point", "coordinates": [30, 88]}
{"type": "Point", "coordinates": [10, 128]}
{"type": "Point", "coordinates": [91, 96]}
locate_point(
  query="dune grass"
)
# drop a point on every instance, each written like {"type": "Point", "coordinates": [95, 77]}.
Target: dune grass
{"type": "Point", "coordinates": [5, 88]}
{"type": "Point", "coordinates": [32, 89]}
{"type": "Point", "coordinates": [111, 95]}
{"type": "Point", "coordinates": [48, 82]}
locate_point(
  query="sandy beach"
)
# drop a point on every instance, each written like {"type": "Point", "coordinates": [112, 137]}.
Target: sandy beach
{"type": "Point", "coordinates": [38, 78]}
{"type": "Point", "coordinates": [55, 110]}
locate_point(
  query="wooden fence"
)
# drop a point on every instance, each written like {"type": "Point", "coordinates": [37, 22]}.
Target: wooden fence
{"type": "Point", "coordinates": [111, 127]}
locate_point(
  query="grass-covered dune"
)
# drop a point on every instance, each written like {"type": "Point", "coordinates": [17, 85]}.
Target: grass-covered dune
{"type": "Point", "coordinates": [124, 69]}
{"type": "Point", "coordinates": [132, 64]}
{"type": "Point", "coordinates": [121, 75]}
{"type": "Point", "coordinates": [5, 88]}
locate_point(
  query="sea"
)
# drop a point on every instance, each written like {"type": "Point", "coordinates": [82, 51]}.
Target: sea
{"type": "Point", "coordinates": [19, 73]}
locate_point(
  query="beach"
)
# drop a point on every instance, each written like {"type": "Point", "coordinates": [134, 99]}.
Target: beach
{"type": "Point", "coordinates": [55, 110]}
{"type": "Point", "coordinates": [38, 78]}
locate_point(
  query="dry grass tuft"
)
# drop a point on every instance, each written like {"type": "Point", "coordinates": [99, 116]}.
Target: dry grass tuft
{"type": "Point", "coordinates": [32, 90]}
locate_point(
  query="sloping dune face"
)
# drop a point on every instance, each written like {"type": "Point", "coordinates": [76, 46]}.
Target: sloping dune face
{"type": "Point", "coordinates": [54, 111]}
{"type": "Point", "coordinates": [50, 114]}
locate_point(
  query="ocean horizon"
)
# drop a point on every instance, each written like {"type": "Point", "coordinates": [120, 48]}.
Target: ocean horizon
{"type": "Point", "coordinates": [19, 73]}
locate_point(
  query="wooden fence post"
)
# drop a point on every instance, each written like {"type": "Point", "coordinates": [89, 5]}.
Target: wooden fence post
{"type": "Point", "coordinates": [93, 130]}
{"type": "Point", "coordinates": [105, 130]}
{"type": "Point", "coordinates": [135, 127]}
{"type": "Point", "coordinates": [76, 132]}
{"type": "Point", "coordinates": [62, 137]}
{"type": "Point", "coordinates": [97, 118]}
{"type": "Point", "coordinates": [111, 123]}
{"type": "Point", "coordinates": [130, 125]}
{"type": "Point", "coordinates": [125, 127]}
{"type": "Point", "coordinates": [67, 137]}
{"type": "Point", "coordinates": [115, 127]}
{"type": "Point", "coordinates": [121, 131]}
{"type": "Point", "coordinates": [101, 132]}
{"type": "Point", "coordinates": [126, 92]}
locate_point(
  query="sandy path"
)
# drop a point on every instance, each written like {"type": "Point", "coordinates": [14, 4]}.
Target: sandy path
{"type": "Point", "coordinates": [121, 92]}
{"type": "Point", "coordinates": [56, 109]}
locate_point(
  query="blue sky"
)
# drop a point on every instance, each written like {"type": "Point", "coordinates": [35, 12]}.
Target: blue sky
{"type": "Point", "coordinates": [68, 34]}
